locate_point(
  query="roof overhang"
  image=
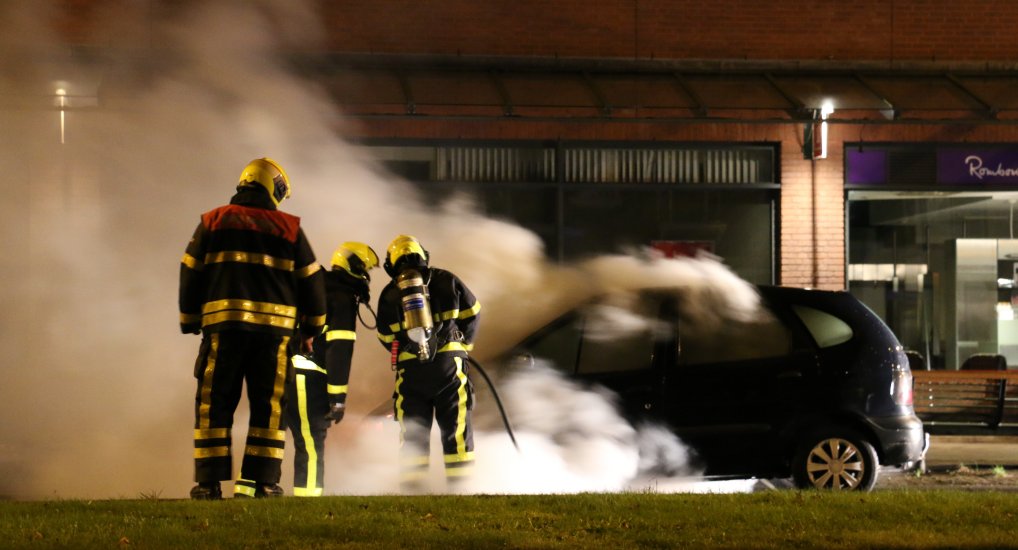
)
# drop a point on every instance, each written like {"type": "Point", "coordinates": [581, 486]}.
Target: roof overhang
{"type": "Point", "coordinates": [860, 92]}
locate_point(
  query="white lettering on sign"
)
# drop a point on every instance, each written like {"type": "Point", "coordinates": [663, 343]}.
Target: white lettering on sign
{"type": "Point", "coordinates": [977, 169]}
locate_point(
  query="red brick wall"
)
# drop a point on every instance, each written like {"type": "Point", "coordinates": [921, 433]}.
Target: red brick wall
{"type": "Point", "coordinates": [939, 30]}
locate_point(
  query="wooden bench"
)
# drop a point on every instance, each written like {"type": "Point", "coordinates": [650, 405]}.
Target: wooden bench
{"type": "Point", "coordinates": [969, 402]}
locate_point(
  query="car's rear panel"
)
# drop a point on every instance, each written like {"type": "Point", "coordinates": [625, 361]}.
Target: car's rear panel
{"type": "Point", "coordinates": [869, 374]}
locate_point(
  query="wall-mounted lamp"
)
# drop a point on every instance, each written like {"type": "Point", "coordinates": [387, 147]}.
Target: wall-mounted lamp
{"type": "Point", "coordinates": [62, 103]}
{"type": "Point", "coordinates": [814, 136]}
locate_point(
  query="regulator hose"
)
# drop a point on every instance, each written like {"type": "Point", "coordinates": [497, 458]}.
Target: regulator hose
{"type": "Point", "coordinates": [498, 401]}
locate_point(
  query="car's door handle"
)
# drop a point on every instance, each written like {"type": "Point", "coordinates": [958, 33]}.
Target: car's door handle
{"type": "Point", "coordinates": [790, 374]}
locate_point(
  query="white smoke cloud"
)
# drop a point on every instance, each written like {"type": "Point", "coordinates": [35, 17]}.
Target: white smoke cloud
{"type": "Point", "coordinates": [98, 388]}
{"type": "Point", "coordinates": [570, 439]}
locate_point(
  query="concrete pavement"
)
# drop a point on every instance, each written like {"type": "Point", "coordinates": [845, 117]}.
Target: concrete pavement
{"type": "Point", "coordinates": [952, 450]}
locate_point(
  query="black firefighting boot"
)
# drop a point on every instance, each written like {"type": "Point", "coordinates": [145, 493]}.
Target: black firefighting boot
{"type": "Point", "coordinates": [252, 489]}
{"type": "Point", "coordinates": [268, 491]}
{"type": "Point", "coordinates": [207, 491]}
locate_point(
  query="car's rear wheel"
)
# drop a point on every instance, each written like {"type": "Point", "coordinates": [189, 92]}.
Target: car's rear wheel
{"type": "Point", "coordinates": [839, 460]}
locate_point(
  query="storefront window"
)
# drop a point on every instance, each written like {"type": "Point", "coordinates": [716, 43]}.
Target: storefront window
{"type": "Point", "coordinates": [938, 262]}
{"type": "Point", "coordinates": [585, 200]}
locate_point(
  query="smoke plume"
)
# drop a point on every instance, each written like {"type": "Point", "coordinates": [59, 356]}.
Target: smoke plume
{"type": "Point", "coordinates": [103, 186]}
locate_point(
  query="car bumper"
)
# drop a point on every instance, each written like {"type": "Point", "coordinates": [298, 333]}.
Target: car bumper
{"type": "Point", "coordinates": [902, 440]}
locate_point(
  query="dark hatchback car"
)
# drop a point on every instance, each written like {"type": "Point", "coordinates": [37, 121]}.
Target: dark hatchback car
{"type": "Point", "coordinates": [816, 387]}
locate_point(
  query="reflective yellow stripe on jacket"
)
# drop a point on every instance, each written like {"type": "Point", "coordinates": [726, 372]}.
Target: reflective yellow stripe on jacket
{"type": "Point", "coordinates": [247, 311]}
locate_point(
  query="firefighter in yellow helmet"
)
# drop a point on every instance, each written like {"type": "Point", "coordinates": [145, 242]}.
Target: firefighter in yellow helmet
{"type": "Point", "coordinates": [428, 318]}
{"type": "Point", "coordinates": [316, 396]}
{"type": "Point", "coordinates": [248, 279]}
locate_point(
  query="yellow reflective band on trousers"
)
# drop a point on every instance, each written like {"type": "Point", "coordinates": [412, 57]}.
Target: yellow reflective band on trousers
{"type": "Point", "coordinates": [336, 390]}
{"type": "Point", "coordinates": [239, 256]}
{"type": "Point", "coordinates": [205, 404]}
{"type": "Point", "coordinates": [305, 432]}
{"type": "Point", "coordinates": [340, 335]}
{"type": "Point", "coordinates": [263, 433]}
{"type": "Point", "coordinates": [308, 491]}
{"type": "Point", "coordinates": [211, 452]}
{"type": "Point", "coordinates": [459, 457]}
{"type": "Point", "coordinates": [212, 433]}
{"type": "Point", "coordinates": [399, 408]}
{"type": "Point", "coordinates": [266, 452]}
{"type": "Point", "coordinates": [240, 488]}
{"type": "Point", "coordinates": [461, 414]}
{"type": "Point", "coordinates": [282, 365]}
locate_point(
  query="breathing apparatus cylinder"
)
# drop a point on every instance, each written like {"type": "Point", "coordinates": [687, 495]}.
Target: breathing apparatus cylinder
{"type": "Point", "coordinates": [416, 310]}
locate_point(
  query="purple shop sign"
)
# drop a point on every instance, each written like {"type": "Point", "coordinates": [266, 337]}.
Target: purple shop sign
{"type": "Point", "coordinates": [988, 167]}
{"type": "Point", "coordinates": [865, 167]}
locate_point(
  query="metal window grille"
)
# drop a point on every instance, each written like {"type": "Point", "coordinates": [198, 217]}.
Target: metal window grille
{"type": "Point", "coordinates": [667, 165]}
{"type": "Point", "coordinates": [604, 165]}
{"type": "Point", "coordinates": [494, 164]}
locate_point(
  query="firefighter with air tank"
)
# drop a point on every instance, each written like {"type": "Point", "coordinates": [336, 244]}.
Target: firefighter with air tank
{"type": "Point", "coordinates": [428, 318]}
{"type": "Point", "coordinates": [316, 395]}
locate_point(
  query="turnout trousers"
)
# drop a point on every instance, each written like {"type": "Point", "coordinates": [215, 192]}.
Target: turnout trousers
{"type": "Point", "coordinates": [439, 391]}
{"type": "Point", "coordinates": [307, 404]}
{"type": "Point", "coordinates": [226, 361]}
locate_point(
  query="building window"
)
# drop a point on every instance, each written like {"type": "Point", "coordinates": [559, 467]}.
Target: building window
{"type": "Point", "coordinates": [584, 199]}
{"type": "Point", "coordinates": [932, 248]}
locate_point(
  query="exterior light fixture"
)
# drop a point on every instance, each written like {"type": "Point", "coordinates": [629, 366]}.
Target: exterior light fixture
{"type": "Point", "coordinates": [814, 142]}
{"type": "Point", "coordinates": [825, 111]}
{"type": "Point", "coordinates": [62, 103]}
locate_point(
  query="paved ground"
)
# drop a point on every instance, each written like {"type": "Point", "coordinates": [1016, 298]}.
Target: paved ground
{"type": "Point", "coordinates": [948, 451]}
{"type": "Point", "coordinates": [962, 462]}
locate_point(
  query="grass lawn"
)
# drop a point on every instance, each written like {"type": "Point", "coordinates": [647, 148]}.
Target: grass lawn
{"type": "Point", "coordinates": [778, 519]}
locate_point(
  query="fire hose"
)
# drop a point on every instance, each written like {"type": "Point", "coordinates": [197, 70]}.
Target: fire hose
{"type": "Point", "coordinates": [498, 401]}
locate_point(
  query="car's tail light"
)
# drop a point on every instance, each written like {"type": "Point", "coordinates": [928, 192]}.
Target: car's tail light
{"type": "Point", "coordinates": [901, 387]}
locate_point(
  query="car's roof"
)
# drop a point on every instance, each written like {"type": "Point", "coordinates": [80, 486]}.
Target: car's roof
{"type": "Point", "coordinates": [795, 290]}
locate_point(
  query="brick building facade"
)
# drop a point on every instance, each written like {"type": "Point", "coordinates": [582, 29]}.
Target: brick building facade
{"type": "Point", "coordinates": [792, 36]}
{"type": "Point", "coordinates": [589, 84]}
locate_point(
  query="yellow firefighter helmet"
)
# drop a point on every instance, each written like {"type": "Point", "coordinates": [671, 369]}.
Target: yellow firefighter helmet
{"type": "Point", "coordinates": [404, 247]}
{"type": "Point", "coordinates": [266, 173]}
{"type": "Point", "coordinates": [355, 258]}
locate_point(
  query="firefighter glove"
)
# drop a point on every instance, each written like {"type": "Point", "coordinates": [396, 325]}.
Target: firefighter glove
{"type": "Point", "coordinates": [335, 414]}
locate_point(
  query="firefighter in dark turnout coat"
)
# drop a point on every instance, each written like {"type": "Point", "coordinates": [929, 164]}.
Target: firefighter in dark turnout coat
{"type": "Point", "coordinates": [430, 360]}
{"type": "Point", "coordinates": [316, 396]}
{"type": "Point", "coordinates": [247, 279]}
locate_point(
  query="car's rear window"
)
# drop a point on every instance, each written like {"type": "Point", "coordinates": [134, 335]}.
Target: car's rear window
{"type": "Point", "coordinates": [826, 329]}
